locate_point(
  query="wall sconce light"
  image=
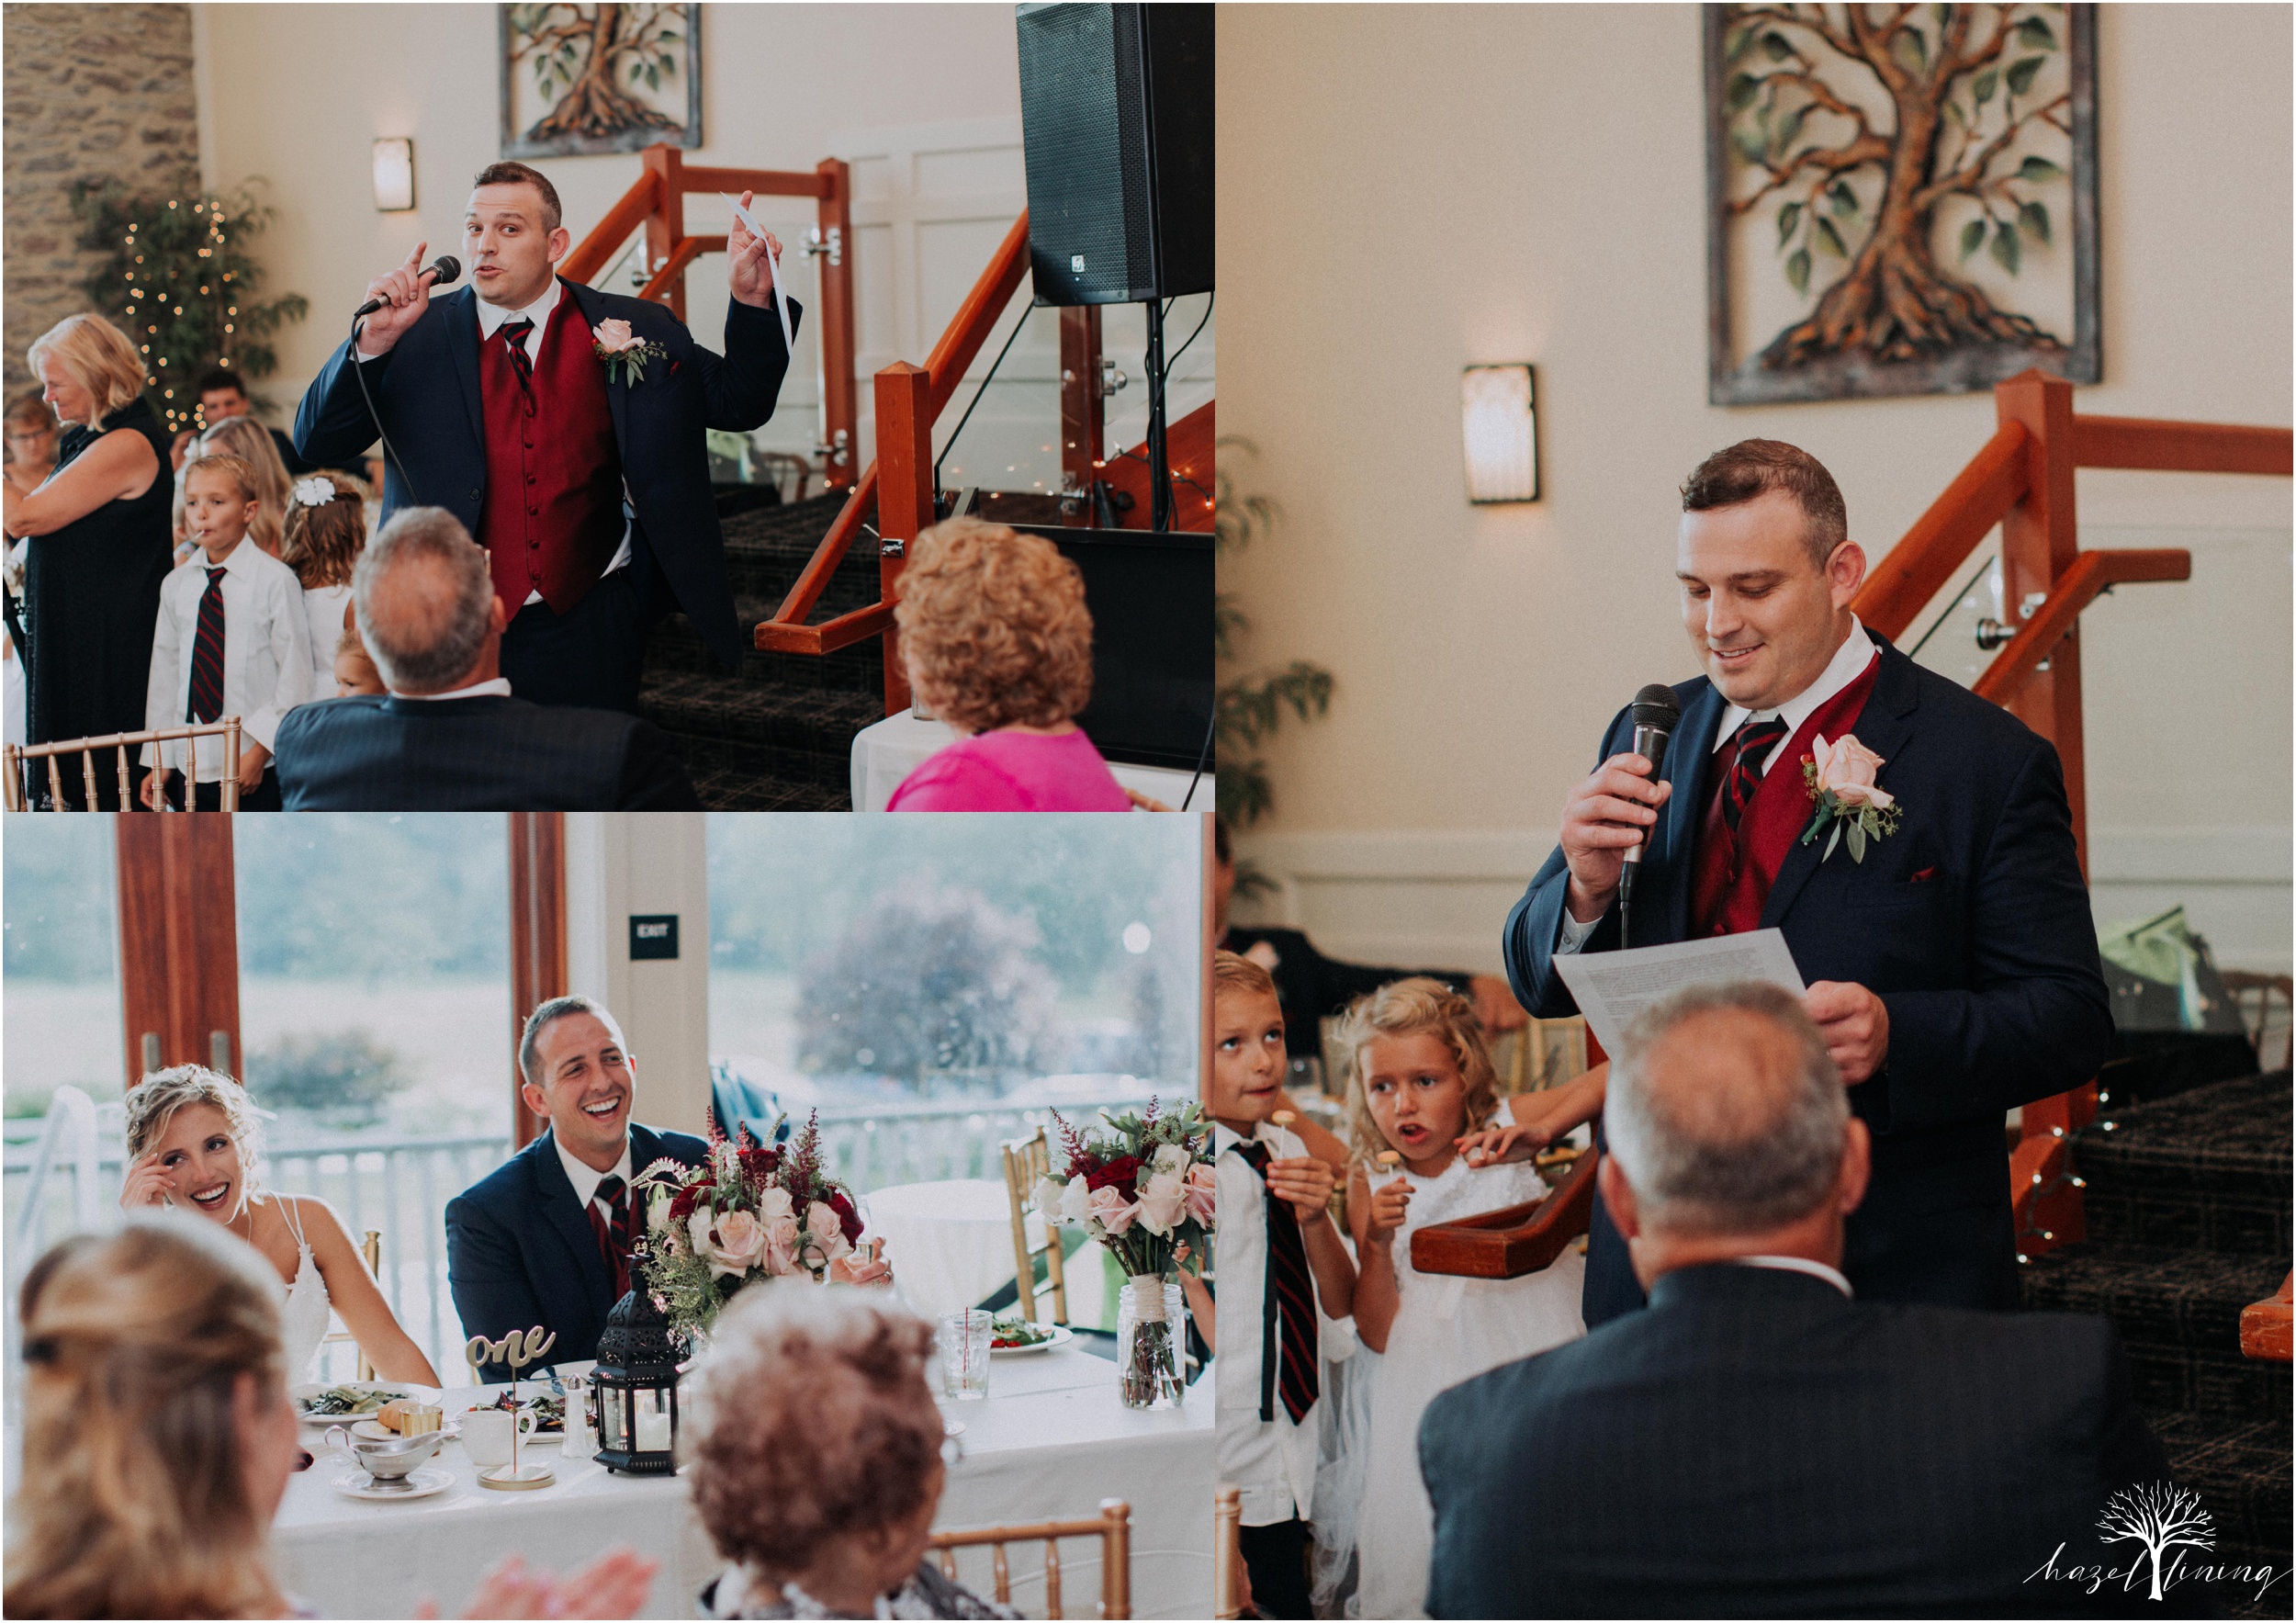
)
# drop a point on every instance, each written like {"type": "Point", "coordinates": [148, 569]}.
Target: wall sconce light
{"type": "Point", "coordinates": [1499, 414]}
{"type": "Point", "coordinates": [394, 175]}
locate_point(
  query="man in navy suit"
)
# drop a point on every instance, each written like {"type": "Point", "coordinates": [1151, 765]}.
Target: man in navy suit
{"type": "Point", "coordinates": [1763, 1441]}
{"type": "Point", "coordinates": [586, 478]}
{"type": "Point", "coordinates": [547, 1237]}
{"type": "Point", "coordinates": [450, 735]}
{"type": "Point", "coordinates": [1953, 970]}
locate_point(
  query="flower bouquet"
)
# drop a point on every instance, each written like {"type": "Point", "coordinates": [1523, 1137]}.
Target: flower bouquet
{"type": "Point", "coordinates": [1142, 1187]}
{"type": "Point", "coordinates": [751, 1212]}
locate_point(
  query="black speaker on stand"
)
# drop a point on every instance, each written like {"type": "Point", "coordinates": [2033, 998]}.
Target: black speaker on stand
{"type": "Point", "coordinates": [1116, 115]}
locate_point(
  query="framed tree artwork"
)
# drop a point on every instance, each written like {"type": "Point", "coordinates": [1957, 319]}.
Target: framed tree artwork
{"type": "Point", "coordinates": [1901, 200]}
{"type": "Point", "coordinates": [602, 78]}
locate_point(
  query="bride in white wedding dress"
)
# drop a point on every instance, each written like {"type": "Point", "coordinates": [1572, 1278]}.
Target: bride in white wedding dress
{"type": "Point", "coordinates": [1424, 1079]}
{"type": "Point", "coordinates": [193, 1141]}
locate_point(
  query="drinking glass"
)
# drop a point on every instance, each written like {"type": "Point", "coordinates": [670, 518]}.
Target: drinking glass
{"type": "Point", "coordinates": [964, 1343]}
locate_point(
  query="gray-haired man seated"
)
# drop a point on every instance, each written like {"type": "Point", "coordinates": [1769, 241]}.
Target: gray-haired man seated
{"type": "Point", "coordinates": [450, 736]}
{"type": "Point", "coordinates": [1756, 1442]}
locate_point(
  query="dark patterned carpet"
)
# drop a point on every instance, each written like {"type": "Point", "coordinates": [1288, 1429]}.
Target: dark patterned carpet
{"type": "Point", "coordinates": [777, 733]}
{"type": "Point", "coordinates": [2189, 1213]}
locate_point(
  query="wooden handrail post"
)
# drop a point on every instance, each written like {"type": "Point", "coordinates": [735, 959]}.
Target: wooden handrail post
{"type": "Point", "coordinates": [840, 388]}
{"type": "Point", "coordinates": [1084, 421]}
{"type": "Point", "coordinates": [2038, 545]}
{"type": "Point", "coordinates": [667, 223]}
{"type": "Point", "coordinates": [904, 496]}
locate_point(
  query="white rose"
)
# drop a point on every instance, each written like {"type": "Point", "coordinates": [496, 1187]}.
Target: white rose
{"type": "Point", "coordinates": [658, 1209]}
{"type": "Point", "coordinates": [1049, 1194]}
{"type": "Point", "coordinates": [1172, 1158]}
{"type": "Point", "coordinates": [1161, 1202]}
{"type": "Point", "coordinates": [698, 1230]}
{"type": "Point", "coordinates": [1075, 1201]}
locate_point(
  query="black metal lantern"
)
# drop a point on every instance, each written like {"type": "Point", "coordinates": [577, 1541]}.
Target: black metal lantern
{"type": "Point", "coordinates": [635, 1390]}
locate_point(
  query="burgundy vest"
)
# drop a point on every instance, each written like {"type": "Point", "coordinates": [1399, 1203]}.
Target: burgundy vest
{"type": "Point", "coordinates": [1731, 873]}
{"type": "Point", "coordinates": [552, 518]}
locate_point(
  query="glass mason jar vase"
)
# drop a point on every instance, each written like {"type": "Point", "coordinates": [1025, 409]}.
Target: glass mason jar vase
{"type": "Point", "coordinates": [1151, 1343]}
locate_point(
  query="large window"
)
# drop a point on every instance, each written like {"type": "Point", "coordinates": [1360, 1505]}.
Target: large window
{"type": "Point", "coordinates": [928, 982]}
{"type": "Point", "coordinates": [60, 989]}
{"type": "Point", "coordinates": [375, 1012]}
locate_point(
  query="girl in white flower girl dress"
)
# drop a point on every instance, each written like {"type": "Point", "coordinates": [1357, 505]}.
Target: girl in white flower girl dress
{"type": "Point", "coordinates": [1423, 1080]}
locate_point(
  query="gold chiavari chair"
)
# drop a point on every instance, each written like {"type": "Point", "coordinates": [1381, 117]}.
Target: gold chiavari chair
{"type": "Point", "coordinates": [1542, 1054]}
{"type": "Point", "coordinates": [1229, 1597]}
{"type": "Point", "coordinates": [17, 760]}
{"type": "Point", "coordinates": [1112, 1527]}
{"type": "Point", "coordinates": [372, 1250]}
{"type": "Point", "coordinates": [1028, 1161]}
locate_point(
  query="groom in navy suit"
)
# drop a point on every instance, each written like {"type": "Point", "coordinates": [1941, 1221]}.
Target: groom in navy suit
{"type": "Point", "coordinates": [1953, 971]}
{"type": "Point", "coordinates": [585, 477]}
{"type": "Point", "coordinates": [547, 1237]}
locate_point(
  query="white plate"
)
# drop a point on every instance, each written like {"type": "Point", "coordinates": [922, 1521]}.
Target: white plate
{"type": "Point", "coordinates": [311, 1388]}
{"type": "Point", "coordinates": [356, 1484]}
{"type": "Point", "coordinates": [1062, 1336]}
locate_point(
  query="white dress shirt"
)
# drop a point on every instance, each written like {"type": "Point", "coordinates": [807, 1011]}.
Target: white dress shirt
{"type": "Point", "coordinates": [1857, 651]}
{"type": "Point", "coordinates": [586, 1177]}
{"type": "Point", "coordinates": [499, 685]}
{"type": "Point", "coordinates": [491, 320]}
{"type": "Point", "coordinates": [267, 652]}
{"type": "Point", "coordinates": [1273, 1461]}
{"type": "Point", "coordinates": [1800, 1265]}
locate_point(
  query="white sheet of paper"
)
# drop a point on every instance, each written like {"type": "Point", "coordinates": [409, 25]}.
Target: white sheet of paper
{"type": "Point", "coordinates": [773, 269]}
{"type": "Point", "coordinates": [1613, 987]}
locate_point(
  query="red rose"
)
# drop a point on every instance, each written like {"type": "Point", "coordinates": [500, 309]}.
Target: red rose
{"type": "Point", "coordinates": [1117, 1175]}
{"type": "Point", "coordinates": [848, 1219]}
{"type": "Point", "coordinates": [682, 1203]}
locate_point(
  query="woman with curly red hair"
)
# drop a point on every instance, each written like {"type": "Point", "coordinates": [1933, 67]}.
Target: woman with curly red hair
{"type": "Point", "coordinates": [998, 644]}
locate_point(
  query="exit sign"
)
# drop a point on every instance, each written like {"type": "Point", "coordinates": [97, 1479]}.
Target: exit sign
{"type": "Point", "coordinates": [653, 935]}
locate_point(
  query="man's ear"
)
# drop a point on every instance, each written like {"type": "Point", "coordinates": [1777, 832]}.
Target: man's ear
{"type": "Point", "coordinates": [1619, 1196]}
{"type": "Point", "coordinates": [1845, 572]}
{"type": "Point", "coordinates": [560, 240]}
{"type": "Point", "coordinates": [1857, 1166]}
{"type": "Point", "coordinates": [529, 1091]}
{"type": "Point", "coordinates": [498, 620]}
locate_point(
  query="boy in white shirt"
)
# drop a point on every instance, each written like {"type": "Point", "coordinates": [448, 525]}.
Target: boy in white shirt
{"type": "Point", "coordinates": [1283, 1271]}
{"type": "Point", "coordinates": [232, 639]}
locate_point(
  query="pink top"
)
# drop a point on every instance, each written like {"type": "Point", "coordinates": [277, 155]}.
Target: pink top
{"type": "Point", "coordinates": [1009, 771]}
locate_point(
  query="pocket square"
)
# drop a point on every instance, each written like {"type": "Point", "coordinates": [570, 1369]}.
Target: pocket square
{"type": "Point", "coordinates": [1921, 876]}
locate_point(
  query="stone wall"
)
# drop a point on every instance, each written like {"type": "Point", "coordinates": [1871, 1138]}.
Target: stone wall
{"type": "Point", "coordinates": [98, 91]}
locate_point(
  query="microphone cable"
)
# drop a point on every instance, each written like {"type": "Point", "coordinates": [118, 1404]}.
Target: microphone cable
{"type": "Point", "coordinates": [391, 452]}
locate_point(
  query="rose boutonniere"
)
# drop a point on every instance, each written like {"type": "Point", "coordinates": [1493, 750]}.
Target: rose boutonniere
{"type": "Point", "coordinates": [624, 352]}
{"type": "Point", "coordinates": [1840, 777]}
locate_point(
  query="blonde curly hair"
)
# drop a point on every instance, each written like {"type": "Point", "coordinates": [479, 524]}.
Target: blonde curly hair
{"type": "Point", "coordinates": [994, 627]}
{"type": "Point", "coordinates": [1405, 1008]}
{"type": "Point", "coordinates": [322, 544]}
{"type": "Point", "coordinates": [152, 1104]}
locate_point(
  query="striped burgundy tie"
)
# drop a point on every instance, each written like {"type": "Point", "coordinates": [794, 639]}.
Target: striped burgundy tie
{"type": "Point", "coordinates": [207, 654]}
{"type": "Point", "coordinates": [1750, 745]}
{"type": "Point", "coordinates": [613, 1238]}
{"type": "Point", "coordinates": [515, 337]}
{"type": "Point", "coordinates": [1289, 1307]}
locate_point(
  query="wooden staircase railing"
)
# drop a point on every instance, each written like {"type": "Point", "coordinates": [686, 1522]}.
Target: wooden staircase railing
{"type": "Point", "coordinates": [2022, 481]}
{"type": "Point", "coordinates": [657, 201]}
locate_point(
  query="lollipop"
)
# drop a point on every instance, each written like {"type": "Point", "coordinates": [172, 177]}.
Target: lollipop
{"type": "Point", "coordinates": [1285, 1118]}
{"type": "Point", "coordinates": [1388, 1160]}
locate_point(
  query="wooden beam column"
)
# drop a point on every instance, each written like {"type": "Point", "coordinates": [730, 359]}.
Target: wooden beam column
{"type": "Point", "coordinates": [178, 942]}
{"type": "Point", "coordinates": [538, 937]}
{"type": "Point", "coordinates": [1084, 421]}
{"type": "Point", "coordinates": [905, 496]}
{"type": "Point", "coordinates": [840, 388]}
{"type": "Point", "coordinates": [667, 223]}
{"type": "Point", "coordinates": [2038, 544]}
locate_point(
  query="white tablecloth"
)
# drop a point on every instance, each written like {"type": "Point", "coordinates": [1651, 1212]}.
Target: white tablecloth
{"type": "Point", "coordinates": [950, 1243]}
{"type": "Point", "coordinates": [887, 751]}
{"type": "Point", "coordinates": [1051, 1440]}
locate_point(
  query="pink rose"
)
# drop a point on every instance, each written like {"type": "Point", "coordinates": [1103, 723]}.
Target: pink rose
{"type": "Point", "coordinates": [1111, 1211]}
{"type": "Point", "coordinates": [1846, 769]}
{"type": "Point", "coordinates": [737, 1245]}
{"type": "Point", "coordinates": [1202, 1194]}
{"type": "Point", "coordinates": [1162, 1200]}
{"type": "Point", "coordinates": [612, 336]}
{"type": "Point", "coordinates": [825, 1231]}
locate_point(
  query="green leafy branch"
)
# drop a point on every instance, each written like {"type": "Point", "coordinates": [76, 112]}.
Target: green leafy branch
{"type": "Point", "coordinates": [1249, 708]}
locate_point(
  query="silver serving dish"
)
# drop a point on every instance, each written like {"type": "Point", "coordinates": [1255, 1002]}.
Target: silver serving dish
{"type": "Point", "coordinates": [386, 1460]}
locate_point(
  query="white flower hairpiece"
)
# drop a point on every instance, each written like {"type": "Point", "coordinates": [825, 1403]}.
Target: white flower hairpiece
{"type": "Point", "coordinates": [314, 492]}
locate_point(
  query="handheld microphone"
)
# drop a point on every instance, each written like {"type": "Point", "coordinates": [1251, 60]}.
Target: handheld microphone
{"type": "Point", "coordinates": [1656, 713]}
{"type": "Point", "coordinates": [442, 270]}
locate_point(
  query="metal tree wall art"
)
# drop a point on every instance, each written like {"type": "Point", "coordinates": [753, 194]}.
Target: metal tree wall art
{"type": "Point", "coordinates": [1902, 198]}
{"type": "Point", "coordinates": [604, 78]}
